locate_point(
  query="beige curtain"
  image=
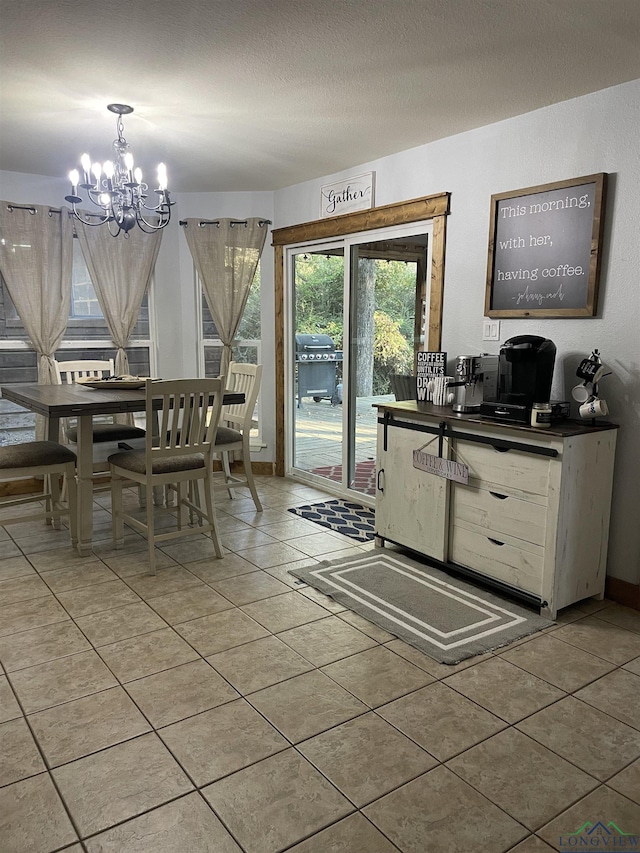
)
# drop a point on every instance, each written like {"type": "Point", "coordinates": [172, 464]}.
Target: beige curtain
{"type": "Point", "coordinates": [226, 256]}
{"type": "Point", "coordinates": [120, 269]}
{"type": "Point", "coordinates": [36, 253]}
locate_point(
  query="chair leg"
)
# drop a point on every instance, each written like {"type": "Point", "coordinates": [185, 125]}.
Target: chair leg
{"type": "Point", "coordinates": [248, 473]}
{"type": "Point", "coordinates": [151, 541]}
{"type": "Point", "coordinates": [69, 483]}
{"type": "Point", "coordinates": [226, 467]}
{"type": "Point", "coordinates": [116, 510]}
{"type": "Point", "coordinates": [211, 513]}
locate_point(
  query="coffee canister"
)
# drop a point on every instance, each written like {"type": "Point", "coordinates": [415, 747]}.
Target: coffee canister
{"type": "Point", "coordinates": [541, 415]}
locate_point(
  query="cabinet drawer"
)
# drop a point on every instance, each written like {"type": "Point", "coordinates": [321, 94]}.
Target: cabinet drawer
{"type": "Point", "coordinates": [514, 469]}
{"type": "Point", "coordinates": [498, 513]}
{"type": "Point", "coordinates": [510, 560]}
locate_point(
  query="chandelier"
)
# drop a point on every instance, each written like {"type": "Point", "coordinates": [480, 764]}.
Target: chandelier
{"type": "Point", "coordinates": [118, 189]}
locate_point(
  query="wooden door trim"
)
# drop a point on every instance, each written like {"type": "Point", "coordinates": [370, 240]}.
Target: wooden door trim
{"type": "Point", "coordinates": [435, 207]}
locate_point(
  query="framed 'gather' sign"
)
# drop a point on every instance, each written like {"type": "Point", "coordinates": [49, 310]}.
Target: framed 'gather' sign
{"type": "Point", "coordinates": [545, 248]}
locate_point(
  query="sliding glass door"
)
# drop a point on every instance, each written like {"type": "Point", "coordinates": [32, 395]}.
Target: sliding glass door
{"type": "Point", "coordinates": [357, 313]}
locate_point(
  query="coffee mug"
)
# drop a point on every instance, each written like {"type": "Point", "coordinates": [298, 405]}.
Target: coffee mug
{"type": "Point", "coordinates": [594, 408]}
{"type": "Point", "coordinates": [437, 387]}
{"type": "Point", "coordinates": [581, 393]}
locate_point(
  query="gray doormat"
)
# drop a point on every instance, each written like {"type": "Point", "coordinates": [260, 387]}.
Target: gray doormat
{"type": "Point", "coordinates": [446, 618]}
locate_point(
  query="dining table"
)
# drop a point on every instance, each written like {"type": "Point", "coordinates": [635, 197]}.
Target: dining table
{"type": "Point", "coordinates": [75, 401]}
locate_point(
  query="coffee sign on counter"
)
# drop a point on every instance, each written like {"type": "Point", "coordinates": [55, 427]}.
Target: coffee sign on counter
{"type": "Point", "coordinates": [544, 250]}
{"type": "Point", "coordinates": [428, 366]}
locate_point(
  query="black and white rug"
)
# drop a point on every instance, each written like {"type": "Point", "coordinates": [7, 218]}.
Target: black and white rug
{"type": "Point", "coordinates": [446, 618]}
{"type": "Point", "coordinates": [346, 517]}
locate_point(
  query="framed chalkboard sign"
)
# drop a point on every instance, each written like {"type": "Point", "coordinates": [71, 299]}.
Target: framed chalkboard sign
{"type": "Point", "coordinates": [544, 250]}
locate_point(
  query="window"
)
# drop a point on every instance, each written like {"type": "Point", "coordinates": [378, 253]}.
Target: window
{"type": "Point", "coordinates": [84, 302]}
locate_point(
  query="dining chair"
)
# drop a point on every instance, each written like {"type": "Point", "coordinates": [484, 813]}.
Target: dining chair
{"type": "Point", "coordinates": [46, 459]}
{"type": "Point", "coordinates": [188, 413]}
{"type": "Point", "coordinates": [234, 432]}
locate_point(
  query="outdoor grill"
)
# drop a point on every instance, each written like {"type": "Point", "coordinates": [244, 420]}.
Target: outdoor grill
{"type": "Point", "coordinates": [317, 360]}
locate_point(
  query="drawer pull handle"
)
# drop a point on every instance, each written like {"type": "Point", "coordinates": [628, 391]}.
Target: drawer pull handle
{"type": "Point", "coordinates": [495, 541]}
{"type": "Point", "coordinates": [499, 496]}
{"type": "Point", "coordinates": [380, 480]}
{"type": "Point", "coordinates": [501, 449]}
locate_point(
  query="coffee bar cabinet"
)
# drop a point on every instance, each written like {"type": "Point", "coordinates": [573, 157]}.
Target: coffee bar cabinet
{"type": "Point", "coordinates": [533, 518]}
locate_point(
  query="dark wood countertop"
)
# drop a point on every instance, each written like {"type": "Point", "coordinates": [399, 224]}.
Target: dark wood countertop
{"type": "Point", "coordinates": [428, 411]}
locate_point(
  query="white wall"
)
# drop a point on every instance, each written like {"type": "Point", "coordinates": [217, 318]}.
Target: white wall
{"type": "Point", "coordinates": [595, 133]}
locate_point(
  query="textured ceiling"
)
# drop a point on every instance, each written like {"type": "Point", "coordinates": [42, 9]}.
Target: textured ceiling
{"type": "Point", "coordinates": [261, 94]}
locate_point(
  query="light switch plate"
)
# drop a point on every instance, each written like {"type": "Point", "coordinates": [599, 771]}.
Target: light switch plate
{"type": "Point", "coordinates": [490, 330]}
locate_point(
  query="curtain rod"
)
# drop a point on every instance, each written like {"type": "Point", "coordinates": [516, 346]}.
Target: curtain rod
{"type": "Point", "coordinates": [32, 210]}
{"type": "Point", "coordinates": [216, 222]}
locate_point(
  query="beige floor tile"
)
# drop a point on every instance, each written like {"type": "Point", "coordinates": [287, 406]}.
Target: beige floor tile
{"type": "Point", "coordinates": [353, 834]}
{"type": "Point", "coordinates": [442, 721]}
{"type": "Point", "coordinates": [122, 623]}
{"type": "Point", "coordinates": [628, 782]}
{"type": "Point", "coordinates": [559, 663]}
{"type": "Point", "coordinates": [268, 556]}
{"type": "Point", "coordinates": [61, 558]}
{"type": "Point", "coordinates": [615, 694]}
{"type": "Point", "coordinates": [120, 782]}
{"type": "Point", "coordinates": [601, 638]}
{"type": "Point", "coordinates": [368, 628]}
{"type": "Point", "coordinates": [528, 781]}
{"type": "Point", "coordinates": [98, 598]}
{"type": "Point", "coordinates": [319, 544]}
{"type": "Point", "coordinates": [281, 612]}
{"type": "Point", "coordinates": [22, 589]}
{"type": "Point", "coordinates": [245, 588]}
{"type": "Point", "coordinates": [258, 664]}
{"type": "Point", "coordinates": [38, 645]}
{"type": "Point", "coordinates": [15, 567]}
{"type": "Point", "coordinates": [19, 755]}
{"type": "Point", "coordinates": [326, 640]}
{"type": "Point", "coordinates": [32, 817]}
{"type": "Point", "coordinates": [532, 844]}
{"type": "Point", "coordinates": [504, 689]}
{"type": "Point", "coordinates": [61, 680]}
{"type": "Point", "coordinates": [323, 600]}
{"type": "Point", "coordinates": [186, 825]}
{"type": "Point", "coordinates": [250, 537]}
{"type": "Point", "coordinates": [9, 708]}
{"type": "Point", "coordinates": [189, 603]}
{"type": "Point", "coordinates": [146, 654]}
{"type": "Point", "coordinates": [191, 549]}
{"type": "Point", "coordinates": [366, 758]}
{"type": "Point", "coordinates": [306, 705]}
{"type": "Point", "coordinates": [212, 570]}
{"type": "Point", "coordinates": [220, 741]}
{"type": "Point", "coordinates": [276, 802]}
{"type": "Point", "coordinates": [8, 548]}
{"type": "Point", "coordinates": [168, 580]}
{"type": "Point", "coordinates": [275, 515]}
{"type": "Point", "coordinates": [433, 667]}
{"type": "Point", "coordinates": [180, 692]}
{"type": "Point", "coordinates": [593, 741]}
{"type": "Point", "coordinates": [377, 676]}
{"type": "Point", "coordinates": [602, 804]}
{"type": "Point", "coordinates": [86, 725]}
{"type": "Point", "coordinates": [282, 573]}
{"type": "Point", "coordinates": [136, 562]}
{"type": "Point", "coordinates": [33, 613]}
{"type": "Point", "coordinates": [623, 617]}
{"type": "Point", "coordinates": [294, 529]}
{"type": "Point", "coordinates": [220, 631]}
{"type": "Point", "coordinates": [439, 812]}
{"type": "Point", "coordinates": [78, 577]}
{"type": "Point", "coordinates": [633, 666]}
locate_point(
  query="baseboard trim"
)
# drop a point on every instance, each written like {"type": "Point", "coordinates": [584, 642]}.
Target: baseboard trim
{"type": "Point", "coordinates": [623, 592]}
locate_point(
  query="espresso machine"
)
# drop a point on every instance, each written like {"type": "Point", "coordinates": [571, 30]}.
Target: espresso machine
{"type": "Point", "coordinates": [475, 377]}
{"type": "Point", "coordinates": [525, 374]}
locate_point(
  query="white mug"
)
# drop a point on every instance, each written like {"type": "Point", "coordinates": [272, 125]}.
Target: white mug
{"type": "Point", "coordinates": [437, 387]}
{"type": "Point", "coordinates": [594, 408]}
{"type": "Point", "coordinates": [581, 393]}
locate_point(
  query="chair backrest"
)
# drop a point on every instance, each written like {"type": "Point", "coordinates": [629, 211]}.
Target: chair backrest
{"type": "Point", "coordinates": [243, 378]}
{"type": "Point", "coordinates": [188, 414]}
{"type": "Point", "coordinates": [68, 371]}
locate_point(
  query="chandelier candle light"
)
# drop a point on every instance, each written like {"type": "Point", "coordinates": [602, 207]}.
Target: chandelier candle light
{"type": "Point", "coordinates": [118, 189]}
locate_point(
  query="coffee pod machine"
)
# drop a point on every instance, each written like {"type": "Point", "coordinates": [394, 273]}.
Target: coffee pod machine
{"type": "Point", "coordinates": [525, 374]}
{"type": "Point", "coordinates": [475, 376]}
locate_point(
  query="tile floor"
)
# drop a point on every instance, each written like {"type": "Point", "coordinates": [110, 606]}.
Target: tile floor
{"type": "Point", "coordinates": [222, 706]}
